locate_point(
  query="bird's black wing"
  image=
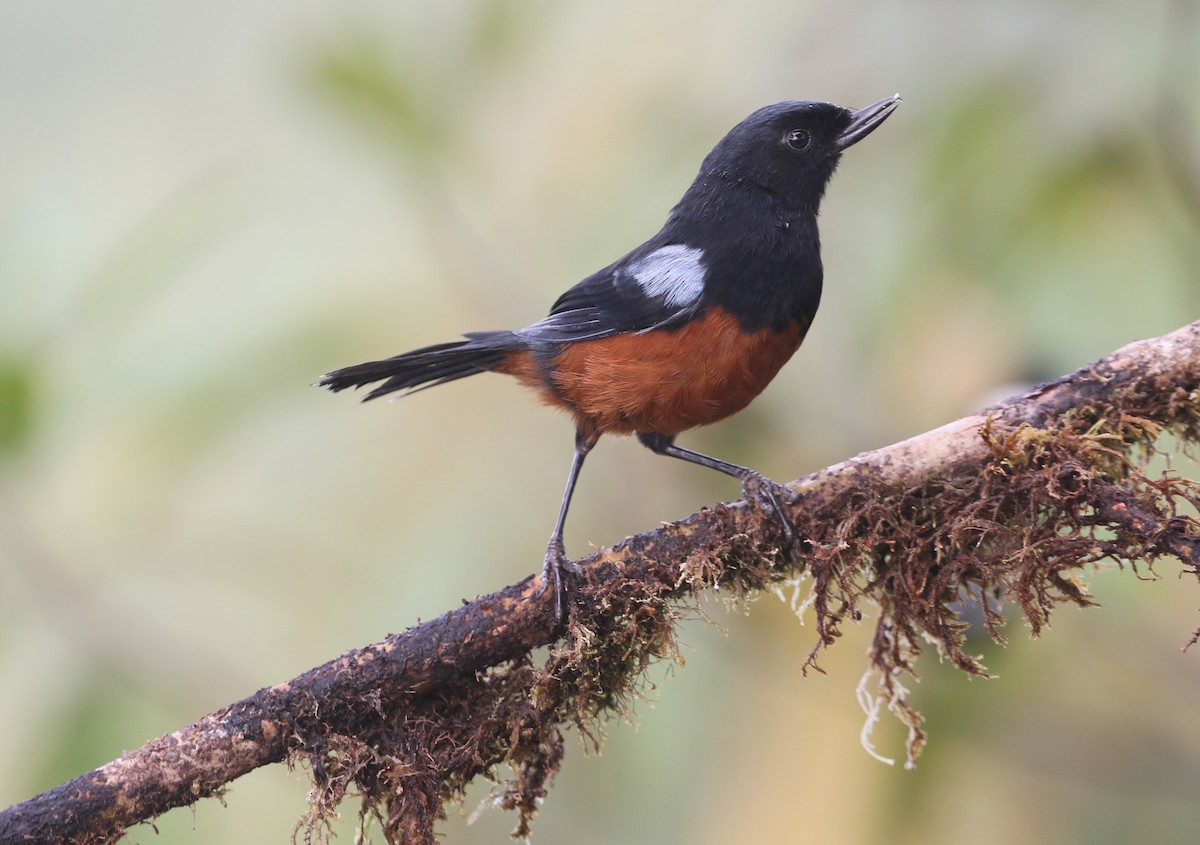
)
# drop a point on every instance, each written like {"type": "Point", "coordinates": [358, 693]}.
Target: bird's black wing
{"type": "Point", "coordinates": [654, 287]}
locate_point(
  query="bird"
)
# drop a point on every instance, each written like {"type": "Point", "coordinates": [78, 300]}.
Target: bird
{"type": "Point", "coordinates": [685, 329]}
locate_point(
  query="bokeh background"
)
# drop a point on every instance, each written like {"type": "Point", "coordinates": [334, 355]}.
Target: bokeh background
{"type": "Point", "coordinates": [205, 206]}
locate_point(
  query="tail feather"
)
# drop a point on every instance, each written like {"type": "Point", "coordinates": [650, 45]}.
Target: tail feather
{"type": "Point", "coordinates": [428, 366]}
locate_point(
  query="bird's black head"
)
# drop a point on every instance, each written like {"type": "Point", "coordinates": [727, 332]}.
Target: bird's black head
{"type": "Point", "coordinates": [791, 149]}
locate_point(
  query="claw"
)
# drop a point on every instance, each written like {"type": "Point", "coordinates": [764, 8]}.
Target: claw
{"type": "Point", "coordinates": [766, 494]}
{"type": "Point", "coordinates": [555, 562]}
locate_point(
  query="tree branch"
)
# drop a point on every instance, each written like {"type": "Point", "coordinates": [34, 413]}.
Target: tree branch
{"type": "Point", "coordinates": [1007, 504]}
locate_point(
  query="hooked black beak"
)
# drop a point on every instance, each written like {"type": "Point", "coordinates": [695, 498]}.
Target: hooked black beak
{"type": "Point", "coordinates": [864, 121]}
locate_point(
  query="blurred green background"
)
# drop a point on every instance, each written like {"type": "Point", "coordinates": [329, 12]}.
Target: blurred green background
{"type": "Point", "coordinates": [205, 206]}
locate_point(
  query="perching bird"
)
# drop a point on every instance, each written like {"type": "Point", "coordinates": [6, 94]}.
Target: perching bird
{"type": "Point", "coordinates": [687, 328]}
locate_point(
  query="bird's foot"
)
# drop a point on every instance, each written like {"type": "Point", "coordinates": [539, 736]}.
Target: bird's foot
{"type": "Point", "coordinates": [768, 496]}
{"type": "Point", "coordinates": [555, 564]}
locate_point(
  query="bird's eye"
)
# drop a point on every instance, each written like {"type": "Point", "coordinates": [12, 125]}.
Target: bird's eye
{"type": "Point", "coordinates": [798, 139]}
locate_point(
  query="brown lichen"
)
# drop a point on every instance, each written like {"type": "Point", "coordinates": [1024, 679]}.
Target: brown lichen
{"type": "Point", "coordinates": [1048, 491]}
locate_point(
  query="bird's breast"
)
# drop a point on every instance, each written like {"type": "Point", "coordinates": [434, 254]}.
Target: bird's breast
{"type": "Point", "coordinates": [768, 281]}
{"type": "Point", "coordinates": [669, 380]}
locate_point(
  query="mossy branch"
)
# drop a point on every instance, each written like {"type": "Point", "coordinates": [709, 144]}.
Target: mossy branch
{"type": "Point", "coordinates": [1009, 505]}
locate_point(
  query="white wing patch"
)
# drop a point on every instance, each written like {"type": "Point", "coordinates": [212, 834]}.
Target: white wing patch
{"type": "Point", "coordinates": [672, 273]}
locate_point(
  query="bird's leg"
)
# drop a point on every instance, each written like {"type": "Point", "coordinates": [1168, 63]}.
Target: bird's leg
{"type": "Point", "coordinates": [755, 486]}
{"type": "Point", "coordinates": [556, 559]}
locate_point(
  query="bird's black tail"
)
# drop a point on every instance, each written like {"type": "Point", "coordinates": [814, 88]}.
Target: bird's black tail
{"type": "Point", "coordinates": [428, 366]}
